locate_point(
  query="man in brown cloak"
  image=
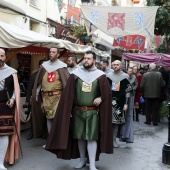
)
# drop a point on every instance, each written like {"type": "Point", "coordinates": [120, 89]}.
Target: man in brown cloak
{"type": "Point", "coordinates": [48, 87]}
{"type": "Point", "coordinates": [84, 116]}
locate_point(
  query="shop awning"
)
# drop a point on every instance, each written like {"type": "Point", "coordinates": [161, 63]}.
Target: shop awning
{"type": "Point", "coordinates": [15, 8]}
{"type": "Point", "coordinates": [12, 36]}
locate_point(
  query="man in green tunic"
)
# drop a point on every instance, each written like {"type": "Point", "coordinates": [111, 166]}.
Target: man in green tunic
{"type": "Point", "coordinates": [87, 97]}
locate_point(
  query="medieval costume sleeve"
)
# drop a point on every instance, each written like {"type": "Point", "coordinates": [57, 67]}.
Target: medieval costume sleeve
{"type": "Point", "coordinates": [60, 141]}
{"type": "Point", "coordinates": [13, 151]}
{"type": "Point", "coordinates": [37, 116]}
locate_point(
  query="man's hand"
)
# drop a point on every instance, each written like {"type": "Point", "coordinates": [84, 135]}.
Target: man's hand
{"type": "Point", "coordinates": [10, 103]}
{"type": "Point", "coordinates": [125, 107]}
{"type": "Point", "coordinates": [36, 98]}
{"type": "Point", "coordinates": [97, 101]}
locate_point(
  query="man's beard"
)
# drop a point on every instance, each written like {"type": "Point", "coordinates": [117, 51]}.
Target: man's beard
{"type": "Point", "coordinates": [89, 66]}
{"type": "Point", "coordinates": [70, 65]}
{"type": "Point", "coordinates": [1, 63]}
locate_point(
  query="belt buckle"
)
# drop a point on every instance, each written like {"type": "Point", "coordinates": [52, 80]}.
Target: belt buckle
{"type": "Point", "coordinates": [85, 108]}
{"type": "Point", "coordinates": [50, 93]}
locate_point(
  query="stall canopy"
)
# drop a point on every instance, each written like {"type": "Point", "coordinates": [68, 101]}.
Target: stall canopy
{"type": "Point", "coordinates": [147, 58]}
{"type": "Point", "coordinates": [12, 36]}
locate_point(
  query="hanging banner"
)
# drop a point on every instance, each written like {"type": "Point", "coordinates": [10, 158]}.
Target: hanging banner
{"type": "Point", "coordinates": [73, 12]}
{"type": "Point", "coordinates": [130, 42]}
{"type": "Point", "coordinates": [120, 21]}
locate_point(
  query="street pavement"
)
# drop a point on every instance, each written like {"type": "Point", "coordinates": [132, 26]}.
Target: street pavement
{"type": "Point", "coordinates": [144, 154]}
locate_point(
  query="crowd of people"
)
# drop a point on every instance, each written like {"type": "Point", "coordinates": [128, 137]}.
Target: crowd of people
{"type": "Point", "coordinates": [80, 110]}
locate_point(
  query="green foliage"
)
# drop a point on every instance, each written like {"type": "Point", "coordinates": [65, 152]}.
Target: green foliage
{"type": "Point", "coordinates": [79, 30]}
{"type": "Point", "coordinates": [162, 22]}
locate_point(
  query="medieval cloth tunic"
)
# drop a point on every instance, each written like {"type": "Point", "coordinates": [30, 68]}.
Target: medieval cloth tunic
{"type": "Point", "coordinates": [61, 142]}
{"type": "Point", "coordinates": [38, 116]}
{"type": "Point", "coordinates": [9, 76]}
{"type": "Point", "coordinates": [50, 103]}
{"type": "Point", "coordinates": [85, 123]}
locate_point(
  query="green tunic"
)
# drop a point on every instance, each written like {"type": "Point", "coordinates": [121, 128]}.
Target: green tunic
{"type": "Point", "coordinates": [85, 124]}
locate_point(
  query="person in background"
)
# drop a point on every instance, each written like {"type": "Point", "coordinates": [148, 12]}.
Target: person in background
{"type": "Point", "coordinates": [138, 93]}
{"type": "Point", "coordinates": [104, 66]}
{"type": "Point", "coordinates": [72, 63]}
{"type": "Point", "coordinates": [165, 76]}
{"type": "Point", "coordinates": [28, 97]}
{"type": "Point", "coordinates": [150, 86]}
{"type": "Point", "coordinates": [97, 64]}
{"type": "Point", "coordinates": [128, 128]}
{"type": "Point", "coordinates": [9, 113]}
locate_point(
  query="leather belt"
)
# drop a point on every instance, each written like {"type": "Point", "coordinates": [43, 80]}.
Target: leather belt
{"type": "Point", "coordinates": [86, 107]}
{"type": "Point", "coordinates": [2, 103]}
{"type": "Point", "coordinates": [52, 93]}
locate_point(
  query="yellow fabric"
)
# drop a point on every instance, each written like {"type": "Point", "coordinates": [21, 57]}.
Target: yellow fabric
{"type": "Point", "coordinates": [50, 103]}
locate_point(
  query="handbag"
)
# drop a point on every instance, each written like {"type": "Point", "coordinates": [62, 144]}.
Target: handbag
{"type": "Point", "coordinates": [142, 100]}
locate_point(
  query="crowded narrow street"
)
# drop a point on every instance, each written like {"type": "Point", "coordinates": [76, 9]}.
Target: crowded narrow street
{"type": "Point", "coordinates": [144, 154]}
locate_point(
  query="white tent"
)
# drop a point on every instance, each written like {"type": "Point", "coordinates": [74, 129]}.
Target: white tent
{"type": "Point", "coordinates": [12, 36]}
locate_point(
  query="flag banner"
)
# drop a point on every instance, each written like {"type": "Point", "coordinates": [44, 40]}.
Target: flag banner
{"type": "Point", "coordinates": [73, 11]}
{"type": "Point", "coordinates": [120, 21]}
{"type": "Point", "coordinates": [130, 42]}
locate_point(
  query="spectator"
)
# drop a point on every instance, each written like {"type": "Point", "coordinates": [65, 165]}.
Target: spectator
{"type": "Point", "coordinates": [151, 85]}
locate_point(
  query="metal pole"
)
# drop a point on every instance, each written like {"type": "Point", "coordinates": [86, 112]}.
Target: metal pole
{"type": "Point", "coordinates": [166, 147]}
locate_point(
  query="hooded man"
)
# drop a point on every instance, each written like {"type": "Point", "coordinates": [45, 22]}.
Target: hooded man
{"type": "Point", "coordinates": [48, 87]}
{"type": "Point", "coordinates": [85, 122]}
{"type": "Point", "coordinates": [9, 113]}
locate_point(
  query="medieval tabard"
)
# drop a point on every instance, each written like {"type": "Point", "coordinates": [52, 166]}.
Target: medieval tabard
{"type": "Point", "coordinates": [50, 80]}
{"type": "Point", "coordinates": [82, 88]}
{"type": "Point", "coordinates": [120, 86]}
{"type": "Point", "coordinates": [85, 122]}
{"type": "Point", "coordinates": [119, 91]}
{"type": "Point", "coordinates": [9, 87]}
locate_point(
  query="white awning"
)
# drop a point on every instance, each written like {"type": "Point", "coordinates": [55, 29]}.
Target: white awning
{"type": "Point", "coordinates": [13, 7]}
{"type": "Point", "coordinates": [12, 36]}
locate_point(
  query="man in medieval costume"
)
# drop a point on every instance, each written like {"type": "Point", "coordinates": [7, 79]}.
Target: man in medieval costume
{"type": "Point", "coordinates": [83, 118]}
{"type": "Point", "coordinates": [48, 87]}
{"type": "Point", "coordinates": [9, 113]}
{"type": "Point", "coordinates": [128, 128]}
{"type": "Point", "coordinates": [120, 87]}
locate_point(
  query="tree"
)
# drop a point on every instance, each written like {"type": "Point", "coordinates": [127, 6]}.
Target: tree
{"type": "Point", "coordinates": [162, 22]}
